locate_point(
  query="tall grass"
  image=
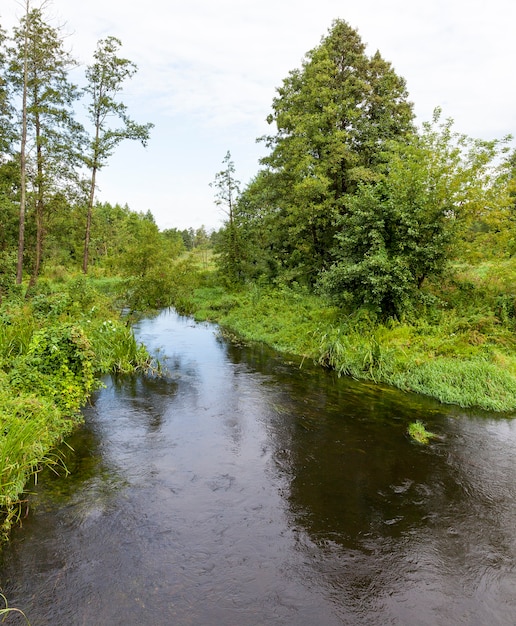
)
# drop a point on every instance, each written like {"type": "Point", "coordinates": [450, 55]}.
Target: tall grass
{"type": "Point", "coordinates": [16, 328]}
{"type": "Point", "coordinates": [29, 428]}
{"type": "Point", "coordinates": [459, 350]}
{"type": "Point", "coordinates": [116, 349]}
{"type": "Point", "coordinates": [52, 348]}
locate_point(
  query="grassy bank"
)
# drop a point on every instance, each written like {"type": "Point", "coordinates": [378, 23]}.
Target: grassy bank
{"type": "Point", "coordinates": [54, 346]}
{"type": "Point", "coordinates": [460, 349]}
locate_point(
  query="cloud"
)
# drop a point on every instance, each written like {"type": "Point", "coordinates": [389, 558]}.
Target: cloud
{"type": "Point", "coordinates": [208, 73]}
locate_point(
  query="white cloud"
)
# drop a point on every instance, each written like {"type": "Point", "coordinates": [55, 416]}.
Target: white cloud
{"type": "Point", "coordinates": [208, 72]}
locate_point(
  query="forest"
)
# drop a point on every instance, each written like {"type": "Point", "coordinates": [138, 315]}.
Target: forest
{"type": "Point", "coordinates": [373, 246]}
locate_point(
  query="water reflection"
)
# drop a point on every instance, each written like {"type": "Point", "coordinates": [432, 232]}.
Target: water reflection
{"type": "Point", "coordinates": [245, 489]}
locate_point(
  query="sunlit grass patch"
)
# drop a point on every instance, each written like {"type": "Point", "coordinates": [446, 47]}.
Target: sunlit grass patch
{"type": "Point", "coordinates": [473, 382]}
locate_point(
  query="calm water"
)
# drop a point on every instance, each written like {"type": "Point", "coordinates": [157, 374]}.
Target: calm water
{"type": "Point", "coordinates": [245, 490]}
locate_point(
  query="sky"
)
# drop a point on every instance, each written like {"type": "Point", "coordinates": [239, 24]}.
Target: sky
{"type": "Point", "coordinates": [208, 71]}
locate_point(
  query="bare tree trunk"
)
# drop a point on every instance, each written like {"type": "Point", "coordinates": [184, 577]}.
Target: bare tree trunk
{"type": "Point", "coordinates": [87, 235]}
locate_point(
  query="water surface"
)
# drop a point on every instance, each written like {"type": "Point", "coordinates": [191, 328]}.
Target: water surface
{"type": "Point", "coordinates": [247, 489]}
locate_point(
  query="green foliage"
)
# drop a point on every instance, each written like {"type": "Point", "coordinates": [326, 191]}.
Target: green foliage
{"type": "Point", "coordinates": [116, 349]}
{"type": "Point", "coordinates": [187, 276]}
{"type": "Point", "coordinates": [419, 433]}
{"type": "Point", "coordinates": [7, 273]}
{"type": "Point", "coordinates": [231, 237]}
{"type": "Point", "coordinates": [333, 118]}
{"type": "Point", "coordinates": [50, 138]}
{"type": "Point", "coordinates": [30, 428]}
{"type": "Point", "coordinates": [399, 230]}
{"type": "Point", "coordinates": [16, 329]}
{"type": "Point", "coordinates": [53, 347]}
{"type": "Point", "coordinates": [148, 262]}
{"type": "Point", "coordinates": [461, 351]}
{"type": "Point", "coordinates": [105, 77]}
{"type": "Point", "coordinates": [58, 365]}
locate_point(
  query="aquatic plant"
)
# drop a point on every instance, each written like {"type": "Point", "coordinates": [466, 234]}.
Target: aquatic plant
{"type": "Point", "coordinates": [419, 433]}
{"type": "Point", "coordinates": [6, 610]}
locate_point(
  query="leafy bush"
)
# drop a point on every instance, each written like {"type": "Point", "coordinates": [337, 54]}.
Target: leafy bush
{"type": "Point", "coordinates": [57, 365]}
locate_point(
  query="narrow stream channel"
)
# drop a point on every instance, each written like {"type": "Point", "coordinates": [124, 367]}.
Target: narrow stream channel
{"type": "Point", "coordinates": [246, 490]}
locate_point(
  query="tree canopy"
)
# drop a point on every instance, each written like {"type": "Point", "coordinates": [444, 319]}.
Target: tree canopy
{"type": "Point", "coordinates": [400, 229]}
{"type": "Point", "coordinates": [353, 198]}
{"type": "Point", "coordinates": [333, 118]}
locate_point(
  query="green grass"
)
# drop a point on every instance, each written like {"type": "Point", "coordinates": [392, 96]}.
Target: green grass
{"type": "Point", "coordinates": [30, 427]}
{"type": "Point", "coordinates": [461, 350]}
{"type": "Point", "coordinates": [53, 348]}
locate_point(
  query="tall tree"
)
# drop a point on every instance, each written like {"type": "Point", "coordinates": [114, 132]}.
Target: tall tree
{"type": "Point", "coordinates": [333, 118]}
{"type": "Point", "coordinates": [106, 77]}
{"type": "Point", "coordinates": [227, 191]}
{"type": "Point", "coordinates": [38, 70]}
{"type": "Point", "coordinates": [6, 109]}
{"type": "Point", "coordinates": [23, 150]}
{"type": "Point", "coordinates": [9, 176]}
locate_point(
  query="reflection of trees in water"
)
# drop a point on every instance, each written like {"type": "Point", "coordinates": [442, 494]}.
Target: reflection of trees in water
{"type": "Point", "coordinates": [377, 514]}
{"type": "Point", "coordinates": [149, 396]}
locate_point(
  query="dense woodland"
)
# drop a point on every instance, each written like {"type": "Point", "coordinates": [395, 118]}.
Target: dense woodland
{"type": "Point", "coordinates": [373, 246]}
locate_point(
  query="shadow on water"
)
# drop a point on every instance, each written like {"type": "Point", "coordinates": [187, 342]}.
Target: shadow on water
{"type": "Point", "coordinates": [245, 489]}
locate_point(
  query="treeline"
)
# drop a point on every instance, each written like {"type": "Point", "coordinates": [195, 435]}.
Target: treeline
{"type": "Point", "coordinates": [355, 202]}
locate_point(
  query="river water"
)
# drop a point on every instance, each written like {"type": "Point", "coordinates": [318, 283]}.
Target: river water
{"type": "Point", "coordinates": [244, 489]}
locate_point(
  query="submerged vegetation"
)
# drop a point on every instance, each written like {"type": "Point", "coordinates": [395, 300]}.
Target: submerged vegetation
{"type": "Point", "coordinates": [7, 610]}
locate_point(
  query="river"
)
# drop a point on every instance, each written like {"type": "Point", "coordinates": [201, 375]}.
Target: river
{"type": "Point", "coordinates": [246, 489]}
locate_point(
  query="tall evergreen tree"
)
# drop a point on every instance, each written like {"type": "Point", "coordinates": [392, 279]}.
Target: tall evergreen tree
{"type": "Point", "coordinates": [333, 118]}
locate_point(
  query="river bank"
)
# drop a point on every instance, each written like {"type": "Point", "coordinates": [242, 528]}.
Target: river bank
{"type": "Point", "coordinates": [54, 346]}
{"type": "Point", "coordinates": [241, 489]}
{"type": "Point", "coordinates": [463, 353]}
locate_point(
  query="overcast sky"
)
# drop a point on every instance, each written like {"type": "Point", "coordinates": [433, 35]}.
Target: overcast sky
{"type": "Point", "coordinates": [208, 71]}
